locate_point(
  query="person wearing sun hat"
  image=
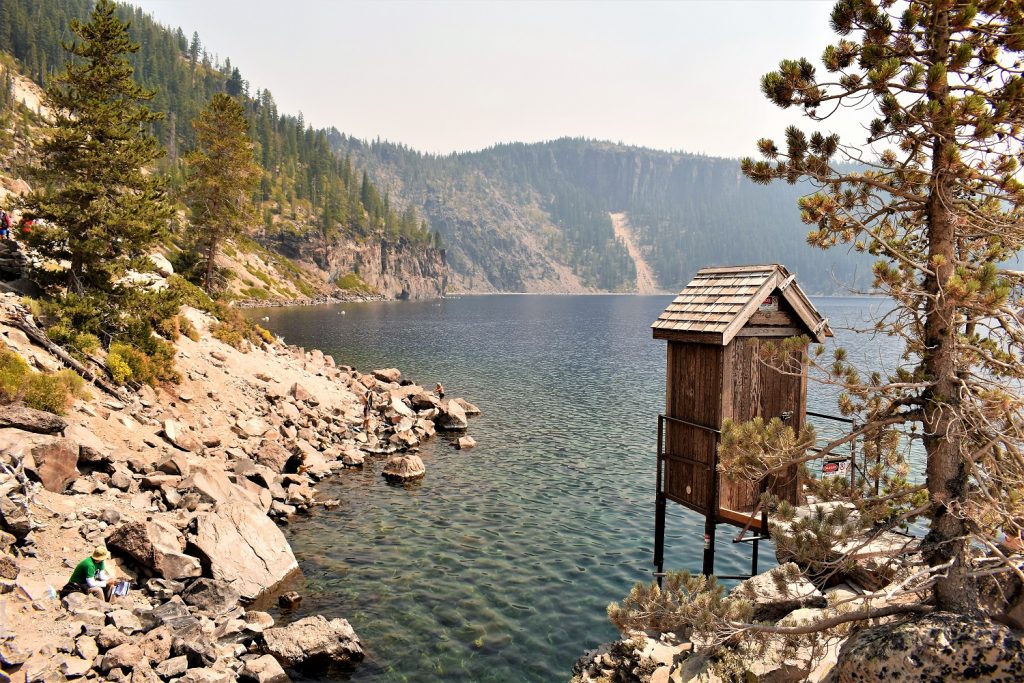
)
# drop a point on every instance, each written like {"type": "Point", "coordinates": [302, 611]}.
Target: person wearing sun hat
{"type": "Point", "coordinates": [90, 575]}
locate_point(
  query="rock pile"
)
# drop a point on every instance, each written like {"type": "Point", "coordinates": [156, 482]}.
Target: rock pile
{"type": "Point", "coordinates": [12, 260]}
{"type": "Point", "coordinates": [181, 483]}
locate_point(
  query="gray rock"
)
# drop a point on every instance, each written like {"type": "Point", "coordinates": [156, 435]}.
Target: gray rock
{"type": "Point", "coordinates": [175, 666]}
{"type": "Point", "coordinates": [55, 464]}
{"type": "Point", "coordinates": [211, 596]}
{"type": "Point", "coordinates": [124, 621]}
{"type": "Point", "coordinates": [86, 647]}
{"type": "Point", "coordinates": [257, 621]}
{"type": "Point", "coordinates": [936, 647]}
{"type": "Point", "coordinates": [774, 594]}
{"type": "Point", "coordinates": [299, 393]}
{"type": "Point", "coordinates": [109, 638]}
{"type": "Point", "coordinates": [110, 517]}
{"type": "Point", "coordinates": [467, 407]}
{"type": "Point", "coordinates": [180, 436]}
{"type": "Point", "coordinates": [207, 675]}
{"type": "Point", "coordinates": [353, 459]}
{"type": "Point", "coordinates": [157, 546]}
{"type": "Point", "coordinates": [313, 642]}
{"type": "Point", "coordinates": [124, 656]}
{"type": "Point", "coordinates": [74, 667]}
{"type": "Point", "coordinates": [387, 374]}
{"type": "Point", "coordinates": [12, 654]}
{"type": "Point", "coordinates": [404, 468]}
{"type": "Point", "coordinates": [31, 420]}
{"type": "Point", "coordinates": [15, 518]}
{"type": "Point", "coordinates": [8, 568]}
{"type": "Point", "coordinates": [243, 547]}
{"type": "Point", "coordinates": [263, 669]}
{"type": "Point", "coordinates": [452, 417]}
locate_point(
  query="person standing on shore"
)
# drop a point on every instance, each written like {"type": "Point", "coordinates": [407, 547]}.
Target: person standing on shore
{"type": "Point", "coordinates": [439, 390]}
{"type": "Point", "coordinates": [367, 408]}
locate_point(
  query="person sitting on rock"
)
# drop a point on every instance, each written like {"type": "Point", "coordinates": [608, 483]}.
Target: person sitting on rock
{"type": "Point", "coordinates": [90, 575]}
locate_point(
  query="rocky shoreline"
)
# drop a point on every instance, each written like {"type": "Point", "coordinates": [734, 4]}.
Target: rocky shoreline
{"type": "Point", "coordinates": [337, 297]}
{"type": "Point", "coordinates": [183, 484]}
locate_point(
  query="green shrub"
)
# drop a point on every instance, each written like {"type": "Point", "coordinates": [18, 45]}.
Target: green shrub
{"type": "Point", "coordinates": [147, 368]}
{"type": "Point", "coordinates": [47, 392]}
{"type": "Point", "coordinates": [353, 283]}
{"type": "Point", "coordinates": [73, 340]}
{"type": "Point", "coordinates": [42, 391]}
{"type": "Point", "coordinates": [187, 328]}
{"type": "Point", "coordinates": [13, 371]}
{"type": "Point", "coordinates": [120, 371]}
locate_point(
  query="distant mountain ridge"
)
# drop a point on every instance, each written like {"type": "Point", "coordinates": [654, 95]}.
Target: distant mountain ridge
{"type": "Point", "coordinates": [535, 217]}
{"type": "Point", "coordinates": [513, 217]}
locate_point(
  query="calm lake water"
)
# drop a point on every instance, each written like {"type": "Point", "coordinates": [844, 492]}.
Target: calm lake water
{"type": "Point", "coordinates": [499, 564]}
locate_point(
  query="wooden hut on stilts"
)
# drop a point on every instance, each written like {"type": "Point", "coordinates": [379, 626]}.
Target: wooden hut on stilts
{"type": "Point", "coordinates": [713, 329]}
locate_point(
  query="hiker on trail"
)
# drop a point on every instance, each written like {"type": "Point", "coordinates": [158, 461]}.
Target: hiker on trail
{"type": "Point", "coordinates": [90, 575]}
{"type": "Point", "coordinates": [5, 225]}
{"type": "Point", "coordinates": [439, 390]}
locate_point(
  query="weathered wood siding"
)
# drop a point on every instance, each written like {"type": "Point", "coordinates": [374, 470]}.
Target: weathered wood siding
{"type": "Point", "coordinates": [693, 393]}
{"type": "Point", "coordinates": [758, 390]}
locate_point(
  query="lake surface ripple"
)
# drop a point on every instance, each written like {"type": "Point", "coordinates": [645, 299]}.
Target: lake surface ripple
{"type": "Point", "coordinates": [499, 564]}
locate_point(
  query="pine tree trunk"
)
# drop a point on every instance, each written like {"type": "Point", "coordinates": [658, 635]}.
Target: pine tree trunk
{"type": "Point", "coordinates": [211, 266]}
{"type": "Point", "coordinates": [943, 429]}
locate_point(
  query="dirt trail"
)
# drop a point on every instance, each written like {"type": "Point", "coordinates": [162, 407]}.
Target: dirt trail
{"type": "Point", "coordinates": [646, 283]}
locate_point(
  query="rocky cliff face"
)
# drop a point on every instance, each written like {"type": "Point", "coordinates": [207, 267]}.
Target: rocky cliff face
{"type": "Point", "coordinates": [393, 268]}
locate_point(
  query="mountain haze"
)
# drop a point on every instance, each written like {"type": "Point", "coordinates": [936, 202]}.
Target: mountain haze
{"type": "Point", "coordinates": [513, 217]}
{"type": "Point", "coordinates": [536, 217]}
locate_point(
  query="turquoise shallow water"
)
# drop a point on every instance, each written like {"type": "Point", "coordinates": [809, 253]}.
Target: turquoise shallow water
{"type": "Point", "coordinates": [499, 564]}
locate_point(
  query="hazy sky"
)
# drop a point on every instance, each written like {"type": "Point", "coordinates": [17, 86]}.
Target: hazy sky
{"type": "Point", "coordinates": [446, 76]}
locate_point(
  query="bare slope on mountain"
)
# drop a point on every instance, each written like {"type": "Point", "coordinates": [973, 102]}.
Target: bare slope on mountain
{"type": "Point", "coordinates": [512, 215]}
{"type": "Point", "coordinates": [645, 281]}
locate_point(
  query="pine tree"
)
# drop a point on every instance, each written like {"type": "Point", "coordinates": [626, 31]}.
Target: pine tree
{"type": "Point", "coordinates": [223, 177]}
{"type": "Point", "coordinates": [102, 210]}
{"type": "Point", "coordinates": [934, 195]}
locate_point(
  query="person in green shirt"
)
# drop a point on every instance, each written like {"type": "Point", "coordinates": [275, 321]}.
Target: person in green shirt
{"type": "Point", "coordinates": [90, 575]}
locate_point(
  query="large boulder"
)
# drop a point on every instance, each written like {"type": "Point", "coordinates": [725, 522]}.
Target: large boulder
{"type": "Point", "coordinates": [774, 594]}
{"type": "Point", "coordinates": [31, 420]}
{"type": "Point", "coordinates": [387, 374]}
{"type": "Point", "coordinates": [467, 407]}
{"type": "Point", "coordinates": [157, 546]}
{"type": "Point", "coordinates": [452, 417]}
{"type": "Point", "coordinates": [937, 647]}
{"type": "Point", "coordinates": [313, 643]}
{"type": "Point", "coordinates": [211, 596]}
{"type": "Point", "coordinates": [180, 436]}
{"type": "Point", "coordinates": [263, 669]}
{"type": "Point", "coordinates": [404, 468]}
{"type": "Point", "coordinates": [243, 547]}
{"type": "Point", "coordinates": [14, 514]}
{"type": "Point", "coordinates": [161, 265]}
{"type": "Point", "coordinates": [55, 464]}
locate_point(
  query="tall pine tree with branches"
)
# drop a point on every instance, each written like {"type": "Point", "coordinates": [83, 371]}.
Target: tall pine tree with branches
{"type": "Point", "coordinates": [934, 192]}
{"type": "Point", "coordinates": [223, 176]}
{"type": "Point", "coordinates": [936, 195]}
{"type": "Point", "coordinates": [98, 208]}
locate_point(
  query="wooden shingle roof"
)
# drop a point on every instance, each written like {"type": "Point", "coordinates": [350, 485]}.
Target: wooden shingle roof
{"type": "Point", "coordinates": [718, 302]}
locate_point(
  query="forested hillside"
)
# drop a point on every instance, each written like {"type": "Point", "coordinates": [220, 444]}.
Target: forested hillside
{"type": "Point", "coordinates": [514, 217]}
{"type": "Point", "coordinates": [306, 189]}
{"type": "Point", "coordinates": [688, 211]}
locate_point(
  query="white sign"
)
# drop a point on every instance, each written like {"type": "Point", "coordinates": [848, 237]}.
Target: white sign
{"type": "Point", "coordinates": [770, 303]}
{"type": "Point", "coordinates": [839, 468]}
